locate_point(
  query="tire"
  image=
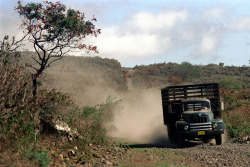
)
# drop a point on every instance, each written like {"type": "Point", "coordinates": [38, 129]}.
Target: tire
{"type": "Point", "coordinates": [218, 139]}
{"type": "Point", "coordinates": [175, 139]}
{"type": "Point", "coordinates": [171, 135]}
{"type": "Point", "coordinates": [180, 141]}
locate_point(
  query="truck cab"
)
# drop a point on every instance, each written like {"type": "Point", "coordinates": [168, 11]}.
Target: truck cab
{"type": "Point", "coordinates": [193, 112]}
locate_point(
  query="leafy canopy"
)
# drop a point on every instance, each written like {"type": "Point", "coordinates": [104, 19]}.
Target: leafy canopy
{"type": "Point", "coordinates": [51, 24]}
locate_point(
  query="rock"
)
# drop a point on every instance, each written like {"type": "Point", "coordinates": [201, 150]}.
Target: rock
{"type": "Point", "coordinates": [95, 155]}
{"type": "Point", "coordinates": [71, 152]}
{"type": "Point", "coordinates": [70, 137]}
{"type": "Point", "coordinates": [84, 164]}
{"type": "Point", "coordinates": [106, 157]}
{"type": "Point", "coordinates": [60, 156]}
{"type": "Point", "coordinates": [106, 162]}
{"type": "Point", "coordinates": [115, 164]}
{"type": "Point", "coordinates": [59, 125]}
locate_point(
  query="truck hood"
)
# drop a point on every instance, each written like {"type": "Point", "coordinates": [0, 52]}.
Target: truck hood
{"type": "Point", "coordinates": [198, 116]}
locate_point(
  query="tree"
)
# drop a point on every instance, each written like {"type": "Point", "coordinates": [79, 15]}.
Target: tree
{"type": "Point", "coordinates": [54, 31]}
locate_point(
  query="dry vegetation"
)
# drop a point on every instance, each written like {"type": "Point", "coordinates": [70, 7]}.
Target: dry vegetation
{"type": "Point", "coordinates": [85, 93]}
{"type": "Point", "coordinates": [159, 75]}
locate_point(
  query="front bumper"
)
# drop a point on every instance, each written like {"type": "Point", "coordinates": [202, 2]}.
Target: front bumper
{"type": "Point", "coordinates": [201, 133]}
{"type": "Point", "coordinates": [200, 130]}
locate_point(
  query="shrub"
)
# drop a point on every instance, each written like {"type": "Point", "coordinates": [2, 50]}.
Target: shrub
{"type": "Point", "coordinates": [39, 157]}
{"type": "Point", "coordinates": [237, 113]}
{"type": "Point", "coordinates": [186, 71]}
{"type": "Point", "coordinates": [90, 122]}
{"type": "Point", "coordinates": [20, 114]}
{"type": "Point", "coordinates": [237, 122]}
{"type": "Point", "coordinates": [230, 84]}
{"type": "Point", "coordinates": [16, 123]}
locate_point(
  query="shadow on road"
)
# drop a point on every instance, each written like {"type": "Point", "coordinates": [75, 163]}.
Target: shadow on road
{"type": "Point", "coordinates": [165, 145]}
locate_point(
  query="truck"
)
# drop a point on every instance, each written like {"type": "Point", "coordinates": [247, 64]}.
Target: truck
{"type": "Point", "coordinates": [193, 112]}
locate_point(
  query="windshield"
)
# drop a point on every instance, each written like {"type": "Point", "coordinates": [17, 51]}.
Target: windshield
{"type": "Point", "coordinates": [196, 105]}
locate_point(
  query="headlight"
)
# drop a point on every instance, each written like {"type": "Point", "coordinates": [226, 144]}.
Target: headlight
{"type": "Point", "coordinates": [215, 125]}
{"type": "Point", "coordinates": [186, 127]}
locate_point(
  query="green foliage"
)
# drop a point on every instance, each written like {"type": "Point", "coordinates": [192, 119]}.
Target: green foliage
{"type": "Point", "coordinates": [54, 21]}
{"type": "Point", "coordinates": [163, 74]}
{"type": "Point", "coordinates": [22, 117]}
{"type": "Point", "coordinates": [42, 158]}
{"type": "Point", "coordinates": [90, 121]}
{"type": "Point", "coordinates": [186, 71]}
{"type": "Point", "coordinates": [17, 131]}
{"type": "Point", "coordinates": [39, 157]}
{"type": "Point", "coordinates": [230, 84]}
{"type": "Point", "coordinates": [16, 124]}
{"type": "Point", "coordinates": [237, 122]}
{"type": "Point", "coordinates": [237, 113]}
{"type": "Point", "coordinates": [23, 123]}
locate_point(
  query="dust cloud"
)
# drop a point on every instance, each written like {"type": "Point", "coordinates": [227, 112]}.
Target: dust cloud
{"type": "Point", "coordinates": [140, 120]}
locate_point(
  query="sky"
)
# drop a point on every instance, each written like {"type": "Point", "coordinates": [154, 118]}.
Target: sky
{"type": "Point", "coordinates": [143, 32]}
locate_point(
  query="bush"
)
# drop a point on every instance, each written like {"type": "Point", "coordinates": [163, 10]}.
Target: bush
{"type": "Point", "coordinates": [237, 114]}
{"type": "Point", "coordinates": [38, 157]}
{"type": "Point", "coordinates": [16, 123]}
{"type": "Point", "coordinates": [237, 122]}
{"type": "Point", "coordinates": [230, 84]}
{"type": "Point", "coordinates": [22, 116]}
{"type": "Point", "coordinates": [186, 71]}
{"type": "Point", "coordinates": [90, 121]}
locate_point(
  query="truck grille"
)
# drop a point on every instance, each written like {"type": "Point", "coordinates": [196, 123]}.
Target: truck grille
{"type": "Point", "coordinates": [201, 126]}
{"type": "Point", "coordinates": [201, 119]}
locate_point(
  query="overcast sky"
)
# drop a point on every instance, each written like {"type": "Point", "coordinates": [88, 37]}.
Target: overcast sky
{"type": "Point", "coordinates": [137, 32]}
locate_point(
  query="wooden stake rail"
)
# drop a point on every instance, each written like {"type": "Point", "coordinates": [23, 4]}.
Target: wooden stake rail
{"type": "Point", "coordinates": [190, 91]}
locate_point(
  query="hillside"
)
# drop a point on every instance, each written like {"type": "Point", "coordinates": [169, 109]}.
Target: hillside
{"type": "Point", "coordinates": [89, 79]}
{"type": "Point", "coordinates": [96, 78]}
{"type": "Point", "coordinates": [163, 74]}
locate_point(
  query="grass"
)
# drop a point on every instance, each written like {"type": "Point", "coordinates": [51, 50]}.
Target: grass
{"type": "Point", "coordinates": [149, 155]}
{"type": "Point", "coordinates": [167, 164]}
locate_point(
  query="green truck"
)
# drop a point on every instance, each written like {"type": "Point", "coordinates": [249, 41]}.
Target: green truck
{"type": "Point", "coordinates": [193, 112]}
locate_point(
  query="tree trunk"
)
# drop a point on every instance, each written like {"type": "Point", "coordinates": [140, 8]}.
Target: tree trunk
{"type": "Point", "coordinates": [34, 79]}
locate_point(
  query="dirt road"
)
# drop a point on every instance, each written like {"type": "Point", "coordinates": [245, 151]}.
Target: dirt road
{"type": "Point", "coordinates": [194, 154]}
{"type": "Point", "coordinates": [227, 154]}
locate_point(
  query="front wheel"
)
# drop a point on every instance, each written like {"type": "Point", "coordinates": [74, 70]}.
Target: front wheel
{"type": "Point", "coordinates": [171, 135]}
{"type": "Point", "coordinates": [218, 139]}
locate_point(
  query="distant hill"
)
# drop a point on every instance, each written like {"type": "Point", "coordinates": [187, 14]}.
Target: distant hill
{"type": "Point", "coordinates": [162, 74]}
{"type": "Point", "coordinates": [92, 79]}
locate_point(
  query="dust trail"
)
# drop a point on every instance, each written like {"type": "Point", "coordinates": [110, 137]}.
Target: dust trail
{"type": "Point", "coordinates": [141, 120]}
